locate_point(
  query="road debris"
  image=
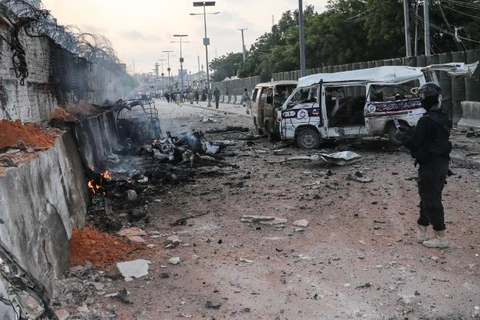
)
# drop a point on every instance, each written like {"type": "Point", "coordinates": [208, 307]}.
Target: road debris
{"type": "Point", "coordinates": [359, 177]}
{"type": "Point", "coordinates": [265, 220]}
{"type": "Point", "coordinates": [131, 232]}
{"type": "Point", "coordinates": [133, 269]}
{"type": "Point", "coordinates": [301, 223]}
{"type": "Point", "coordinates": [172, 242]}
{"type": "Point", "coordinates": [174, 260]}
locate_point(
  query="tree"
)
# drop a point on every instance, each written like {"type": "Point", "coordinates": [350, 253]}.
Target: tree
{"type": "Point", "coordinates": [359, 30]}
{"type": "Point", "coordinates": [225, 66]}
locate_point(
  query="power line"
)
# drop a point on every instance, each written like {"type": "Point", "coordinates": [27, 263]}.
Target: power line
{"type": "Point", "coordinates": [447, 32]}
{"type": "Point", "coordinates": [464, 4]}
{"type": "Point", "coordinates": [459, 44]}
{"type": "Point", "coordinates": [464, 13]}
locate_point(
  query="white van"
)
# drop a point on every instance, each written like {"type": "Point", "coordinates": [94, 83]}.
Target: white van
{"type": "Point", "coordinates": [351, 104]}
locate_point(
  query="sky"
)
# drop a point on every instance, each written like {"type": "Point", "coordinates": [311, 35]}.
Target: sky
{"type": "Point", "coordinates": [141, 30]}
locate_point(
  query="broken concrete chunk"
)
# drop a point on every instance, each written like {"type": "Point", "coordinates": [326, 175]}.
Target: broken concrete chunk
{"type": "Point", "coordinates": [301, 223]}
{"type": "Point", "coordinates": [136, 268]}
{"type": "Point", "coordinates": [268, 220]}
{"type": "Point", "coordinates": [131, 232]}
{"type": "Point", "coordinates": [83, 308]}
{"type": "Point", "coordinates": [62, 314]}
{"type": "Point", "coordinates": [174, 260]}
{"type": "Point", "coordinates": [99, 286]}
{"type": "Point", "coordinates": [30, 305]}
{"type": "Point", "coordinates": [136, 239]}
{"type": "Point", "coordinates": [359, 176]}
{"type": "Point", "coordinates": [340, 158]}
{"type": "Point", "coordinates": [172, 242]}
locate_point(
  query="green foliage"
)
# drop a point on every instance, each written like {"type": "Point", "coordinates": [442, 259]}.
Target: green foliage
{"type": "Point", "coordinates": [353, 31]}
{"type": "Point", "coordinates": [225, 66]}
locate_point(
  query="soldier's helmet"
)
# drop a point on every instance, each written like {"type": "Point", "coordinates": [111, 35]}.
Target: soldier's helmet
{"type": "Point", "coordinates": [429, 93]}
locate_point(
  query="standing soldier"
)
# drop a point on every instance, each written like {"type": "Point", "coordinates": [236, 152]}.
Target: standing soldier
{"type": "Point", "coordinates": [430, 146]}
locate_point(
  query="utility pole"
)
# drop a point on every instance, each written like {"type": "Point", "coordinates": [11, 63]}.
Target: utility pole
{"type": "Point", "coordinates": [415, 50]}
{"type": "Point", "coordinates": [168, 65]}
{"type": "Point", "coordinates": [206, 40]}
{"type": "Point", "coordinates": [243, 44]}
{"type": "Point", "coordinates": [426, 28]}
{"type": "Point", "coordinates": [156, 69]}
{"type": "Point", "coordinates": [408, 40]}
{"type": "Point", "coordinates": [303, 68]}
{"type": "Point", "coordinates": [181, 62]}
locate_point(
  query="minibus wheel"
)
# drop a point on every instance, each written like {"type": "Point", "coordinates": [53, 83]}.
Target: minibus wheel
{"type": "Point", "coordinates": [308, 138]}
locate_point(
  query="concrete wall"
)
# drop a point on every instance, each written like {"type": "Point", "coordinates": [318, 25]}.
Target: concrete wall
{"type": "Point", "coordinates": [56, 77]}
{"type": "Point", "coordinates": [34, 100]}
{"type": "Point", "coordinates": [41, 201]}
{"type": "Point", "coordinates": [470, 115]}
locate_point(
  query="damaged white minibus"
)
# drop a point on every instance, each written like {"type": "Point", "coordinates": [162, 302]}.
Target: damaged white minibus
{"type": "Point", "coordinates": [352, 104]}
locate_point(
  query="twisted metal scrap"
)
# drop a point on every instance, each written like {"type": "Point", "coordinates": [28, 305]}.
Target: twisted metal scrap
{"type": "Point", "coordinates": [36, 21]}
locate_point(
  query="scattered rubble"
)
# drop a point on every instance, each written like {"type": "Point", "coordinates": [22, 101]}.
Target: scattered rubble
{"type": "Point", "coordinates": [265, 220]}
{"type": "Point", "coordinates": [172, 242]}
{"type": "Point", "coordinates": [301, 223]}
{"type": "Point", "coordinates": [133, 269]}
{"type": "Point", "coordinates": [14, 134]}
{"type": "Point", "coordinates": [359, 177]}
{"type": "Point", "coordinates": [174, 260]}
{"type": "Point", "coordinates": [101, 249]}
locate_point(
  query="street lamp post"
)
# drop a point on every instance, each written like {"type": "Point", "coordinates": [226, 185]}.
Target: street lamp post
{"type": "Point", "coordinates": [181, 62]}
{"type": "Point", "coordinates": [168, 65]}
{"type": "Point", "coordinates": [163, 79]}
{"type": "Point", "coordinates": [243, 44]}
{"type": "Point", "coordinates": [206, 40]}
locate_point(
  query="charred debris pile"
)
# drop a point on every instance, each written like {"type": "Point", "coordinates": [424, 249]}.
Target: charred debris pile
{"type": "Point", "coordinates": [146, 164]}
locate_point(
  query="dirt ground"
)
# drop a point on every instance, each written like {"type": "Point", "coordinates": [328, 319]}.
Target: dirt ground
{"type": "Point", "coordinates": [357, 258]}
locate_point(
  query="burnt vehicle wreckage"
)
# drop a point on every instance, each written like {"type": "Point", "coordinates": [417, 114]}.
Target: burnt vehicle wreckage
{"type": "Point", "coordinates": [146, 161]}
{"type": "Point", "coordinates": [141, 164]}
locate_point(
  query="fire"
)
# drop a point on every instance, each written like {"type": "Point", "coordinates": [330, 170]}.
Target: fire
{"type": "Point", "coordinates": [106, 175]}
{"type": "Point", "coordinates": [93, 186]}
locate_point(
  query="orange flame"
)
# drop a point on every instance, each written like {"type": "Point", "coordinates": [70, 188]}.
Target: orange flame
{"type": "Point", "coordinates": [93, 187]}
{"type": "Point", "coordinates": [107, 175]}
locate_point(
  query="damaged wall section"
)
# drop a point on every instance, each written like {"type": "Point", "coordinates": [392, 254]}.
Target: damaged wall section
{"type": "Point", "coordinates": [55, 77]}
{"type": "Point", "coordinates": [42, 201]}
{"type": "Point", "coordinates": [34, 100]}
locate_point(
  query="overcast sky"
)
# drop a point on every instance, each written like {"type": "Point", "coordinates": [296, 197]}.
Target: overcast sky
{"type": "Point", "coordinates": [141, 29]}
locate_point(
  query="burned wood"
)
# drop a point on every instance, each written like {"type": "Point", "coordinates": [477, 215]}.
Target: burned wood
{"type": "Point", "coordinates": [228, 129]}
{"type": "Point", "coordinates": [183, 221]}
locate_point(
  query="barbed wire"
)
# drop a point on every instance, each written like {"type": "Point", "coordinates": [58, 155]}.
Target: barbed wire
{"type": "Point", "coordinates": [36, 21]}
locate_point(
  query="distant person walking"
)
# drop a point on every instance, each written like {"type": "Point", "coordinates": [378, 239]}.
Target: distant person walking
{"type": "Point", "coordinates": [216, 94]}
{"type": "Point", "coordinates": [197, 96]}
{"type": "Point", "coordinates": [246, 100]}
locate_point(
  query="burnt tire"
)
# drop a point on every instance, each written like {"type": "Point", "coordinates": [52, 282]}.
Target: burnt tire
{"type": "Point", "coordinates": [308, 138]}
